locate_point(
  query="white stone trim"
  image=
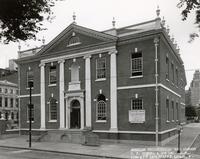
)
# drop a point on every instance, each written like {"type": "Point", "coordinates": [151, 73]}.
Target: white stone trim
{"type": "Point", "coordinates": [91, 52]}
{"type": "Point", "coordinates": [113, 90]}
{"type": "Point", "coordinates": [27, 95]}
{"type": "Point", "coordinates": [135, 132]}
{"type": "Point", "coordinates": [182, 104]}
{"type": "Point", "coordinates": [61, 94]}
{"type": "Point", "coordinates": [88, 91]}
{"type": "Point", "coordinates": [42, 98]}
{"type": "Point", "coordinates": [148, 85]}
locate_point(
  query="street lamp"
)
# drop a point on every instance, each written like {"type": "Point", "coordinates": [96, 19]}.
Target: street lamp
{"type": "Point", "coordinates": [179, 128]}
{"type": "Point", "coordinates": [30, 106]}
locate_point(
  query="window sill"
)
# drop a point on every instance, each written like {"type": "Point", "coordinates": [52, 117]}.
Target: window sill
{"type": "Point", "coordinates": [52, 121]}
{"type": "Point", "coordinates": [173, 121]}
{"type": "Point", "coordinates": [28, 122]}
{"type": "Point", "coordinates": [101, 121]}
{"type": "Point", "coordinates": [167, 79]}
{"type": "Point", "coordinates": [177, 121]}
{"type": "Point", "coordinates": [52, 85]}
{"type": "Point", "coordinates": [137, 76]}
{"type": "Point", "coordinates": [167, 121]}
{"type": "Point", "coordinates": [27, 88]}
{"type": "Point", "coordinates": [100, 79]}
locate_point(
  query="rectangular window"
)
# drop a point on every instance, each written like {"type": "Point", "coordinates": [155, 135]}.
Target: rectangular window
{"type": "Point", "coordinates": [52, 75]}
{"type": "Point", "coordinates": [101, 68]}
{"type": "Point", "coordinates": [173, 112]}
{"type": "Point", "coordinates": [137, 104]}
{"type": "Point", "coordinates": [0, 101]}
{"type": "Point", "coordinates": [11, 102]}
{"type": "Point", "coordinates": [177, 76]}
{"type": "Point", "coordinates": [177, 112]}
{"type": "Point", "coordinates": [32, 113]}
{"type": "Point", "coordinates": [172, 70]}
{"type": "Point", "coordinates": [136, 64]}
{"type": "Point", "coordinates": [53, 110]}
{"type": "Point", "coordinates": [167, 64]}
{"type": "Point", "coordinates": [6, 90]}
{"type": "Point", "coordinates": [17, 102]}
{"type": "Point", "coordinates": [30, 77]}
{"type": "Point", "coordinates": [167, 108]}
{"type": "Point", "coordinates": [11, 91]}
{"type": "Point", "coordinates": [0, 90]}
{"type": "Point", "coordinates": [6, 102]}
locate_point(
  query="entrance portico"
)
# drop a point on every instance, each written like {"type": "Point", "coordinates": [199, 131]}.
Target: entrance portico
{"type": "Point", "coordinates": [74, 115]}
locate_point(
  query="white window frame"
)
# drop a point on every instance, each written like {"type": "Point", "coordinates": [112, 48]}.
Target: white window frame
{"type": "Point", "coordinates": [97, 110]}
{"type": "Point", "coordinates": [102, 69]}
{"type": "Point", "coordinates": [53, 120]}
{"type": "Point", "coordinates": [50, 74]}
{"type": "Point", "coordinates": [137, 71]}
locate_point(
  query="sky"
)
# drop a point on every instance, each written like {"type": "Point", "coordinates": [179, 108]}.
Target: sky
{"type": "Point", "coordinates": [98, 15]}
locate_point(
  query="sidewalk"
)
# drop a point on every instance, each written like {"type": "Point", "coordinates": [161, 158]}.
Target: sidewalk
{"type": "Point", "coordinates": [109, 150]}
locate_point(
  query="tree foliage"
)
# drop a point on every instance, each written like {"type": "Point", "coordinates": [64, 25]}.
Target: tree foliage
{"type": "Point", "coordinates": [190, 111]}
{"type": "Point", "coordinates": [21, 19]}
{"type": "Point", "coordinates": [189, 6]}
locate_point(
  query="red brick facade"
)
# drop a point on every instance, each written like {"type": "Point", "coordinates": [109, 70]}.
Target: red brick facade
{"type": "Point", "coordinates": [101, 45]}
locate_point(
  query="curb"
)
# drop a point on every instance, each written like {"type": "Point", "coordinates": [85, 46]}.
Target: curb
{"type": "Point", "coordinates": [62, 152]}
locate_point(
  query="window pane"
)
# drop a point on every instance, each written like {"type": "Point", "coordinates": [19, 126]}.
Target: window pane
{"type": "Point", "coordinates": [137, 104]}
{"type": "Point", "coordinates": [101, 68]}
{"type": "Point", "coordinates": [52, 75]}
{"type": "Point", "coordinates": [136, 64]}
{"type": "Point", "coordinates": [53, 109]}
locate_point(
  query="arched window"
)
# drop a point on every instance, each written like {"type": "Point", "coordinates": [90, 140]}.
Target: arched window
{"type": "Point", "coordinates": [52, 109]}
{"type": "Point", "coordinates": [101, 108]}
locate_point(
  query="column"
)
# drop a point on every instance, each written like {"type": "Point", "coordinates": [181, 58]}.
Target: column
{"type": "Point", "coordinates": [88, 91]}
{"type": "Point", "coordinates": [42, 95]}
{"type": "Point", "coordinates": [61, 94]}
{"type": "Point", "coordinates": [113, 90]}
{"type": "Point", "coordinates": [82, 112]}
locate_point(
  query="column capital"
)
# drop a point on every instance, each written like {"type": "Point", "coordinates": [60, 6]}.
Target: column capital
{"type": "Point", "coordinates": [112, 52]}
{"type": "Point", "coordinates": [87, 56]}
{"type": "Point", "coordinates": [42, 64]}
{"type": "Point", "coordinates": [156, 40]}
{"type": "Point", "coordinates": [61, 61]}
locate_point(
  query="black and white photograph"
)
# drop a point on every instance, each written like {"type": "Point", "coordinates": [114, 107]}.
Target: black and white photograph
{"type": "Point", "coordinates": [92, 79]}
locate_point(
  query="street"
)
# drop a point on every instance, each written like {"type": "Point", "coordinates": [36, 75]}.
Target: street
{"type": "Point", "coordinates": [9, 153]}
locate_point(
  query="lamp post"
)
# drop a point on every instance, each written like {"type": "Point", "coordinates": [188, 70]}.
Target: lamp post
{"type": "Point", "coordinates": [179, 128]}
{"type": "Point", "coordinates": [30, 84]}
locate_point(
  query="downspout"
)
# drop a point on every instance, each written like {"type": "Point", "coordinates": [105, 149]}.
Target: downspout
{"type": "Point", "coordinates": [19, 105]}
{"type": "Point", "coordinates": [156, 41]}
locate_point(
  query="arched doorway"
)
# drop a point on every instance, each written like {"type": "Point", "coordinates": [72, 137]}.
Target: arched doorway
{"type": "Point", "coordinates": [75, 117]}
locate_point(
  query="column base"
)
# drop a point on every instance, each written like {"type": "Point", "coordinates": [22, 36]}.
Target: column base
{"type": "Point", "coordinates": [42, 128]}
{"type": "Point", "coordinates": [113, 130]}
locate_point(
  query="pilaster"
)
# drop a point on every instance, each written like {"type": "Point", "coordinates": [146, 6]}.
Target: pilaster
{"type": "Point", "coordinates": [113, 90]}
{"type": "Point", "coordinates": [42, 98]}
{"type": "Point", "coordinates": [88, 90]}
{"type": "Point", "coordinates": [61, 94]}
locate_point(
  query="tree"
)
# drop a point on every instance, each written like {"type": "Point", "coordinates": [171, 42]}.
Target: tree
{"type": "Point", "coordinates": [21, 19]}
{"type": "Point", "coordinates": [191, 5]}
{"type": "Point", "coordinates": [190, 112]}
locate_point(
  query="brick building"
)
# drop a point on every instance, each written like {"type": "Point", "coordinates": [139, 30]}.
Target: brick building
{"type": "Point", "coordinates": [109, 81]}
{"type": "Point", "coordinates": [194, 90]}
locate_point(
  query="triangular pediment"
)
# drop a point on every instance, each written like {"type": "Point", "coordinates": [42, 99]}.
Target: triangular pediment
{"type": "Point", "coordinates": [74, 37]}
